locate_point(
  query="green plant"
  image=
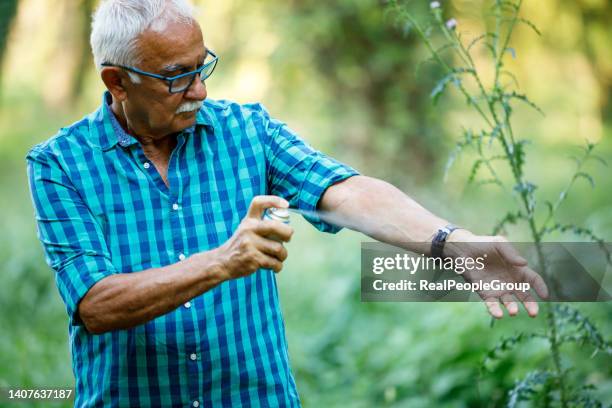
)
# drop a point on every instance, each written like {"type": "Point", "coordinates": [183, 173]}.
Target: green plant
{"type": "Point", "coordinates": [496, 144]}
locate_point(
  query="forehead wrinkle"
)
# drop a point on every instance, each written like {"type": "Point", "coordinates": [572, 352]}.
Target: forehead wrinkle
{"type": "Point", "coordinates": [179, 66]}
{"type": "Point", "coordinates": [173, 67]}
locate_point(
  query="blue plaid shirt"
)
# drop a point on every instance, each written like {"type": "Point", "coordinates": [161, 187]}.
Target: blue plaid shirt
{"type": "Point", "coordinates": [102, 208]}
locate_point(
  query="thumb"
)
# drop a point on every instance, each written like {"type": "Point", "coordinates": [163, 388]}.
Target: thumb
{"type": "Point", "coordinates": [260, 203]}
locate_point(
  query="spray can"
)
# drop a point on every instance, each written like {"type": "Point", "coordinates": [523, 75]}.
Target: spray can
{"type": "Point", "coordinates": [276, 214]}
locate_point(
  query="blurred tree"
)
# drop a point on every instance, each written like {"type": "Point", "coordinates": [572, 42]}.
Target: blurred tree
{"type": "Point", "coordinates": [83, 53]}
{"type": "Point", "coordinates": [8, 11]}
{"type": "Point", "coordinates": [367, 65]}
{"type": "Point", "coordinates": [595, 38]}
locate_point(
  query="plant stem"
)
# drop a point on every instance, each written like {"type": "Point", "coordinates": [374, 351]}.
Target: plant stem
{"type": "Point", "coordinates": [554, 346]}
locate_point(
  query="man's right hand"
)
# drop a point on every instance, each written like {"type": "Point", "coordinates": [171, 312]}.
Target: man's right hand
{"type": "Point", "coordinates": [249, 248]}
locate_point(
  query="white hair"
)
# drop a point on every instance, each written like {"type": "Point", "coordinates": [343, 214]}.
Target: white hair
{"type": "Point", "coordinates": [117, 24]}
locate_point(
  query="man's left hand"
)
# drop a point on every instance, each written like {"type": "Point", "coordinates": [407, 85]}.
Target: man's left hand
{"type": "Point", "coordinates": [503, 263]}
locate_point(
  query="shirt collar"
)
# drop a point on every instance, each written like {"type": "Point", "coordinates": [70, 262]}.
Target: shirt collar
{"type": "Point", "coordinates": [110, 133]}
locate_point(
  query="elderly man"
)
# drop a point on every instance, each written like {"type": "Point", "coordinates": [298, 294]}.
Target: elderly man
{"type": "Point", "coordinates": [149, 210]}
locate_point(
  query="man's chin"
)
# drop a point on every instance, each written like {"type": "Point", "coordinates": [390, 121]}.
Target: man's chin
{"type": "Point", "coordinates": [188, 116]}
{"type": "Point", "coordinates": [184, 121]}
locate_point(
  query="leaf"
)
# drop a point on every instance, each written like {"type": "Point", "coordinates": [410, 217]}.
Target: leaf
{"type": "Point", "coordinates": [525, 187]}
{"type": "Point", "coordinates": [441, 86]}
{"type": "Point", "coordinates": [525, 389]}
{"type": "Point", "coordinates": [585, 401]}
{"type": "Point", "coordinates": [489, 181]}
{"type": "Point", "coordinates": [501, 4]}
{"type": "Point", "coordinates": [599, 159]}
{"type": "Point", "coordinates": [509, 218]}
{"type": "Point", "coordinates": [491, 48]}
{"type": "Point", "coordinates": [468, 136]}
{"type": "Point", "coordinates": [584, 175]}
{"type": "Point", "coordinates": [453, 77]}
{"type": "Point", "coordinates": [511, 75]}
{"type": "Point", "coordinates": [550, 206]}
{"type": "Point", "coordinates": [589, 146]}
{"type": "Point", "coordinates": [453, 157]}
{"type": "Point", "coordinates": [495, 133]}
{"type": "Point", "coordinates": [478, 39]}
{"type": "Point", "coordinates": [445, 47]}
{"type": "Point", "coordinates": [524, 98]}
{"type": "Point", "coordinates": [580, 231]}
{"type": "Point", "coordinates": [585, 330]}
{"type": "Point", "coordinates": [519, 154]}
{"type": "Point", "coordinates": [530, 24]}
{"type": "Point", "coordinates": [507, 107]}
{"type": "Point", "coordinates": [506, 344]}
{"type": "Point", "coordinates": [474, 170]}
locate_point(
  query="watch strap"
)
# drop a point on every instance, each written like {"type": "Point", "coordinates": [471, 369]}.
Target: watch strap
{"type": "Point", "coordinates": [438, 241]}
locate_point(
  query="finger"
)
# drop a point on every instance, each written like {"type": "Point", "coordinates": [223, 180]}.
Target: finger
{"type": "Point", "coordinates": [274, 228]}
{"type": "Point", "coordinates": [510, 254]}
{"type": "Point", "coordinates": [508, 301]}
{"type": "Point", "coordinates": [269, 262]}
{"type": "Point", "coordinates": [537, 283]}
{"type": "Point", "coordinates": [260, 203]}
{"type": "Point", "coordinates": [529, 303]}
{"type": "Point", "coordinates": [272, 248]}
{"type": "Point", "coordinates": [494, 309]}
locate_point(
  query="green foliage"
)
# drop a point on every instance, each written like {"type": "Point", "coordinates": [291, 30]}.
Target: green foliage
{"type": "Point", "coordinates": [527, 388]}
{"type": "Point", "coordinates": [494, 104]}
{"type": "Point", "coordinates": [350, 50]}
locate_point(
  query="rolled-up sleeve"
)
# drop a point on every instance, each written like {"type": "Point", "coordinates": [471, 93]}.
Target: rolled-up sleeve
{"type": "Point", "coordinates": [296, 171]}
{"type": "Point", "coordinates": [71, 237]}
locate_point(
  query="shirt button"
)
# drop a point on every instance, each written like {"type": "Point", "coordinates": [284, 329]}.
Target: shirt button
{"type": "Point", "coordinates": [187, 305]}
{"type": "Point", "coordinates": [175, 206]}
{"type": "Point", "coordinates": [196, 404]}
{"type": "Point", "coordinates": [147, 165]}
{"type": "Point", "coordinates": [182, 257]}
{"type": "Point", "coordinates": [193, 356]}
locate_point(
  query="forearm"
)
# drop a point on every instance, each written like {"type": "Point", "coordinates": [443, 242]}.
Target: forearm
{"type": "Point", "coordinates": [381, 211]}
{"type": "Point", "coordinates": [126, 300]}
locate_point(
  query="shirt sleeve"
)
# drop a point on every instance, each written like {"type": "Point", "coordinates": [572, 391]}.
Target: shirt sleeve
{"type": "Point", "coordinates": [71, 237]}
{"type": "Point", "coordinates": [296, 171]}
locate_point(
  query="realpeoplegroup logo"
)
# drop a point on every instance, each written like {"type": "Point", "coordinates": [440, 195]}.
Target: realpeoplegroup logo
{"type": "Point", "coordinates": [449, 284]}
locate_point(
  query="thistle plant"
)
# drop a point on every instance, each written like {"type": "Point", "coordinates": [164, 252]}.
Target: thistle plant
{"type": "Point", "coordinates": [494, 145]}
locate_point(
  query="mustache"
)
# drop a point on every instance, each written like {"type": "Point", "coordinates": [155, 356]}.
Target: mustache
{"type": "Point", "coordinates": [189, 107]}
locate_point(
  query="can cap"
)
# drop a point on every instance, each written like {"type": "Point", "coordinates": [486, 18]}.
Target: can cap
{"type": "Point", "coordinates": [277, 214]}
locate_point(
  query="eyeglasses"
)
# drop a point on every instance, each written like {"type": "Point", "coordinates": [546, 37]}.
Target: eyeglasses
{"type": "Point", "coordinates": [178, 83]}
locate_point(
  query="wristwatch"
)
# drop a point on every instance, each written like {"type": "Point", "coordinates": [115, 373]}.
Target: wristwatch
{"type": "Point", "coordinates": [437, 243]}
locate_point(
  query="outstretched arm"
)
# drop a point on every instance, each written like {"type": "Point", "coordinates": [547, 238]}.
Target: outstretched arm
{"type": "Point", "coordinates": [386, 214]}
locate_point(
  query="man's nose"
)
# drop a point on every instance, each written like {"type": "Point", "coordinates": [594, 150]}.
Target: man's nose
{"type": "Point", "coordinates": [197, 90]}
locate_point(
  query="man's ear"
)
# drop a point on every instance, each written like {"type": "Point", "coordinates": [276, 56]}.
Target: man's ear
{"type": "Point", "coordinates": [115, 79]}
